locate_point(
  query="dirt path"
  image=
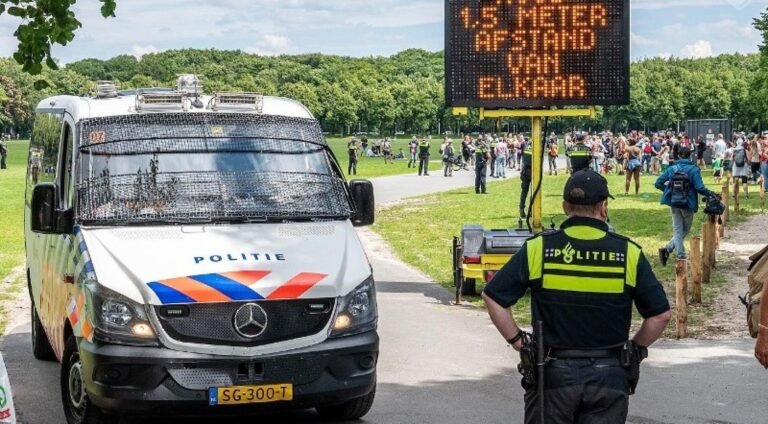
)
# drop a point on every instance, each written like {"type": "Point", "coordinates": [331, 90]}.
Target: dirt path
{"type": "Point", "coordinates": [729, 315]}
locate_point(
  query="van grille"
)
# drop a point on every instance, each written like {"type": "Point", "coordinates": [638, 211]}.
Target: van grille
{"type": "Point", "coordinates": [213, 323]}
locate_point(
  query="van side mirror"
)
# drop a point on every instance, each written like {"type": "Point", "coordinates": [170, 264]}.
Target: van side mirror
{"type": "Point", "coordinates": [362, 196]}
{"type": "Point", "coordinates": [45, 218]}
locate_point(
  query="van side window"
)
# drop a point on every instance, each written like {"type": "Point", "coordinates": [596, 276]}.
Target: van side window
{"type": "Point", "coordinates": [65, 178]}
{"type": "Point", "coordinates": [43, 150]}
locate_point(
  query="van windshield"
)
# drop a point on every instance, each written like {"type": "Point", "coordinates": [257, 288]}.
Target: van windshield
{"type": "Point", "coordinates": [200, 168]}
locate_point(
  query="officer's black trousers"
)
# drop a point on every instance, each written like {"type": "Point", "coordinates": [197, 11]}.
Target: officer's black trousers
{"type": "Point", "coordinates": [525, 185]}
{"type": "Point", "coordinates": [581, 391]}
{"type": "Point", "coordinates": [424, 165]}
{"type": "Point", "coordinates": [481, 171]}
{"type": "Point", "coordinates": [352, 167]}
{"type": "Point", "coordinates": [2, 161]}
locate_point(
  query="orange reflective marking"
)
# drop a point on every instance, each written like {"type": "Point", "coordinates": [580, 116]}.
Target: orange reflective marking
{"type": "Point", "coordinates": [245, 277]}
{"type": "Point", "coordinates": [195, 289]}
{"type": "Point", "coordinates": [296, 286]}
{"type": "Point", "coordinates": [87, 330]}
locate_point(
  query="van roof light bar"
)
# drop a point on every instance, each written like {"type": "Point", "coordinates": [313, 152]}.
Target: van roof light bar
{"type": "Point", "coordinates": [246, 102]}
{"type": "Point", "coordinates": [190, 84]}
{"type": "Point", "coordinates": [161, 101]}
{"type": "Point", "coordinates": [106, 89]}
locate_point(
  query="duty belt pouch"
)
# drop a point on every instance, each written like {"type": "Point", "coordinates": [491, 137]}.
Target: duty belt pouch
{"type": "Point", "coordinates": [631, 357]}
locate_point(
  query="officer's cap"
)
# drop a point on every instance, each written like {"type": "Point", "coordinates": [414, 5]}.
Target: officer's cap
{"type": "Point", "coordinates": [586, 187]}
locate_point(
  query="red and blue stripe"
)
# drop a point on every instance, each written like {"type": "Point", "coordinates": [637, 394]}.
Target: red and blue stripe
{"type": "Point", "coordinates": [229, 286]}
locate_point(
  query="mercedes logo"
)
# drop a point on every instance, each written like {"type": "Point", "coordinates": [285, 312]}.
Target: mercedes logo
{"type": "Point", "coordinates": [250, 320]}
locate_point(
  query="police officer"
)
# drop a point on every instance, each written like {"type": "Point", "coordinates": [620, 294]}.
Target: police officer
{"type": "Point", "coordinates": [482, 157]}
{"type": "Point", "coordinates": [584, 280]}
{"type": "Point", "coordinates": [3, 152]}
{"type": "Point", "coordinates": [424, 157]}
{"type": "Point", "coordinates": [526, 174]}
{"type": "Point", "coordinates": [581, 154]}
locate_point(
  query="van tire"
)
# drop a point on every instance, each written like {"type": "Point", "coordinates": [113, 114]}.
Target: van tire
{"type": "Point", "coordinates": [41, 346]}
{"type": "Point", "coordinates": [84, 412]}
{"type": "Point", "coordinates": [469, 288]}
{"type": "Point", "coordinates": [349, 410]}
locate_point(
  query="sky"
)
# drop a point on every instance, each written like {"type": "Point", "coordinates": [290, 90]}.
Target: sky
{"type": "Point", "coordinates": [680, 28]}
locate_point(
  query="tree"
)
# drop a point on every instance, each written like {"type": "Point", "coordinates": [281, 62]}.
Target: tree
{"type": "Point", "coordinates": [45, 23]}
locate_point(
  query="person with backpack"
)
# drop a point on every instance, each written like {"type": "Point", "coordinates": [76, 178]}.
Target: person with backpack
{"type": "Point", "coordinates": [740, 169]}
{"type": "Point", "coordinates": [632, 156]}
{"type": "Point", "coordinates": [552, 154]}
{"type": "Point", "coordinates": [682, 184]}
{"type": "Point", "coordinates": [647, 153]}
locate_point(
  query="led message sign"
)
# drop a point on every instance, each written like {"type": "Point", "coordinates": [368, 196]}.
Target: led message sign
{"type": "Point", "coordinates": [536, 53]}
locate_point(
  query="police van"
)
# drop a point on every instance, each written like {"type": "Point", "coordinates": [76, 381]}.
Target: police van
{"type": "Point", "coordinates": [196, 253]}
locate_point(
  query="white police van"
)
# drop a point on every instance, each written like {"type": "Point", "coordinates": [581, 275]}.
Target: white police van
{"type": "Point", "coordinates": [196, 253]}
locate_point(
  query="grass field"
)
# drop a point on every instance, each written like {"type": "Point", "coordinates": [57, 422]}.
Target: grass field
{"type": "Point", "coordinates": [435, 219]}
{"type": "Point", "coordinates": [375, 166]}
{"type": "Point", "coordinates": [12, 182]}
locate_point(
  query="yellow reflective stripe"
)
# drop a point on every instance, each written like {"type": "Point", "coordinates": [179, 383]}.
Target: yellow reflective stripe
{"type": "Point", "coordinates": [535, 250]}
{"type": "Point", "coordinates": [576, 153]}
{"type": "Point", "coordinates": [585, 233]}
{"type": "Point", "coordinates": [583, 284]}
{"type": "Point", "coordinates": [583, 268]}
{"type": "Point", "coordinates": [633, 259]}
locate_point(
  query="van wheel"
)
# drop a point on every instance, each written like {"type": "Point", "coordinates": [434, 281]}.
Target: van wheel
{"type": "Point", "coordinates": [469, 288]}
{"type": "Point", "coordinates": [349, 410]}
{"type": "Point", "coordinates": [41, 346]}
{"type": "Point", "coordinates": [77, 408]}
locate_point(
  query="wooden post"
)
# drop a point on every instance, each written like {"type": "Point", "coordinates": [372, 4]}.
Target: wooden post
{"type": "Point", "coordinates": [681, 307]}
{"type": "Point", "coordinates": [713, 240]}
{"type": "Point", "coordinates": [762, 192]}
{"type": "Point", "coordinates": [706, 268]}
{"type": "Point", "coordinates": [726, 197]}
{"type": "Point", "coordinates": [696, 269]}
{"type": "Point", "coordinates": [736, 182]}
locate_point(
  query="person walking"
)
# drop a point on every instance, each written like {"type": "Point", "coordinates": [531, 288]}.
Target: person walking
{"type": "Point", "coordinates": [552, 154]}
{"type": "Point", "coordinates": [353, 150]}
{"type": "Point", "coordinates": [386, 150]}
{"type": "Point", "coordinates": [413, 147]}
{"type": "Point", "coordinates": [424, 157]}
{"type": "Point", "coordinates": [755, 152]}
{"type": "Point", "coordinates": [448, 155]}
{"type": "Point", "coordinates": [701, 147]}
{"type": "Point", "coordinates": [481, 166]}
{"type": "Point", "coordinates": [583, 280]}
{"type": "Point", "coordinates": [681, 185]}
{"type": "Point", "coordinates": [634, 165]}
{"type": "Point", "coordinates": [3, 153]}
{"type": "Point", "coordinates": [502, 152]}
{"type": "Point", "coordinates": [740, 169]}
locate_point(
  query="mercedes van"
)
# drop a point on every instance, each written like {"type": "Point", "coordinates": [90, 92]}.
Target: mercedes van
{"type": "Point", "coordinates": [196, 254]}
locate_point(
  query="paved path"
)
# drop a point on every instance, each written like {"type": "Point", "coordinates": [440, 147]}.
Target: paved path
{"type": "Point", "coordinates": [442, 364]}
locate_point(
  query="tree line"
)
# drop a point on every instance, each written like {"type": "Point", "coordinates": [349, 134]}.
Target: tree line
{"type": "Point", "coordinates": [403, 92]}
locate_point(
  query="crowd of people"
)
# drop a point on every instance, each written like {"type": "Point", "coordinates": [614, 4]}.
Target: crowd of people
{"type": "Point", "coordinates": [637, 153]}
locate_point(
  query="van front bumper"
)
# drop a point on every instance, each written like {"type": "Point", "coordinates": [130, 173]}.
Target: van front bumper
{"type": "Point", "coordinates": [147, 380]}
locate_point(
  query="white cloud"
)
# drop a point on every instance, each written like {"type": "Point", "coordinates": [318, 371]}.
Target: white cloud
{"type": "Point", "coordinates": [139, 51]}
{"type": "Point", "coordinates": [271, 44]}
{"type": "Point", "coordinates": [697, 50]}
{"type": "Point", "coordinates": [639, 40]}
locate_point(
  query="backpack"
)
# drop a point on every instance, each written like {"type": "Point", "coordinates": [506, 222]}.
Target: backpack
{"type": "Point", "coordinates": [740, 157]}
{"type": "Point", "coordinates": [647, 148]}
{"type": "Point", "coordinates": [758, 276]}
{"type": "Point", "coordinates": [679, 186]}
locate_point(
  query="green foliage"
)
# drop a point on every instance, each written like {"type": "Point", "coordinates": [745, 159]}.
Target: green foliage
{"type": "Point", "coordinates": [44, 23]}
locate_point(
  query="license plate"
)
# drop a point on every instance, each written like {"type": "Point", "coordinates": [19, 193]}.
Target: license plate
{"type": "Point", "coordinates": [239, 395]}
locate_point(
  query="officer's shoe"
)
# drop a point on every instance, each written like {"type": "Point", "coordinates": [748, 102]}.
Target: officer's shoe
{"type": "Point", "coordinates": [664, 256]}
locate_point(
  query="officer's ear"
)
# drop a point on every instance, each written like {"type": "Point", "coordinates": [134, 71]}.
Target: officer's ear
{"type": "Point", "coordinates": [604, 209]}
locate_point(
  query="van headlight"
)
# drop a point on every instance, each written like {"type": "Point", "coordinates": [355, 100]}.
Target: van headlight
{"type": "Point", "coordinates": [356, 312]}
{"type": "Point", "coordinates": [117, 319]}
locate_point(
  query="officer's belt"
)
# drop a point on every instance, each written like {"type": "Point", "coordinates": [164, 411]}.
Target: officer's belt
{"type": "Point", "coordinates": [585, 353]}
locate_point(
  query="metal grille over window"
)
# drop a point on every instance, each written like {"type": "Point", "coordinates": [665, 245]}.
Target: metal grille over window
{"type": "Point", "coordinates": [180, 168]}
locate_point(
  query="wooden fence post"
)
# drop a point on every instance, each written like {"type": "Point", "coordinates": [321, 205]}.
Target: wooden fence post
{"type": "Point", "coordinates": [696, 269]}
{"type": "Point", "coordinates": [713, 240]}
{"type": "Point", "coordinates": [726, 198]}
{"type": "Point", "coordinates": [762, 192]}
{"type": "Point", "coordinates": [681, 307]}
{"type": "Point", "coordinates": [706, 267]}
{"type": "Point", "coordinates": [736, 182]}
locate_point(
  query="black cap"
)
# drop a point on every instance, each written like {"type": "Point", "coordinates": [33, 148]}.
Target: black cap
{"type": "Point", "coordinates": [586, 187]}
